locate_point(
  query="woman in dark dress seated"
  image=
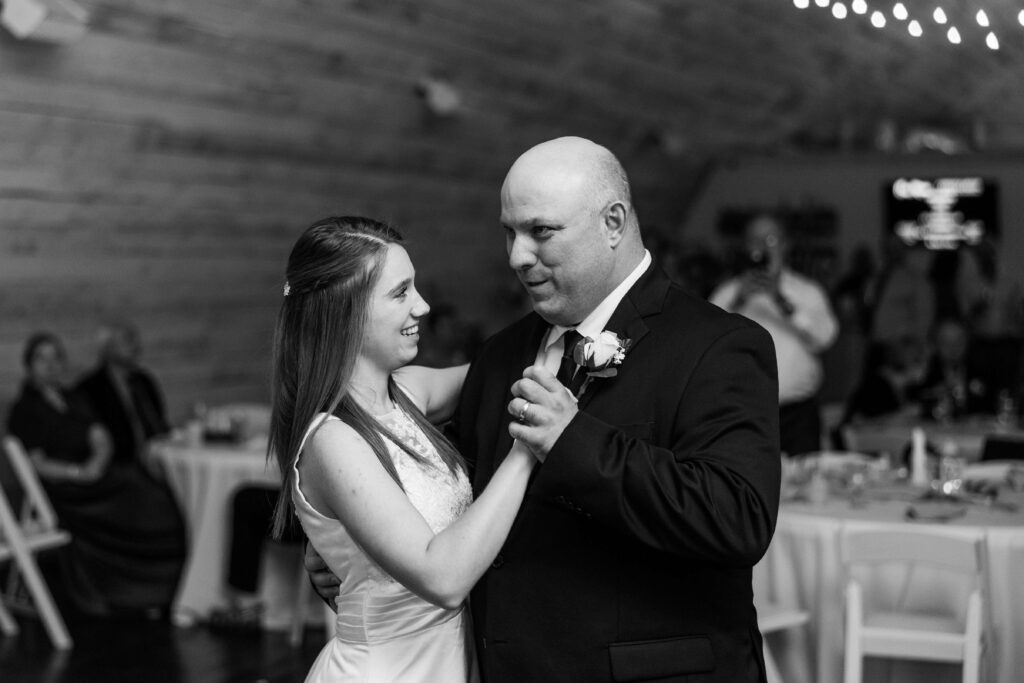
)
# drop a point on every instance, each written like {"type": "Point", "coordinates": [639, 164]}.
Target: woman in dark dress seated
{"type": "Point", "coordinates": [128, 541]}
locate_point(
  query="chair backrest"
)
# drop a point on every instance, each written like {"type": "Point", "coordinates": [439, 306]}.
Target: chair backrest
{"type": "Point", "coordinates": [871, 546]}
{"type": "Point", "coordinates": [37, 513]}
{"type": "Point", "coordinates": [1002, 448]}
{"type": "Point", "coordinates": [20, 538]}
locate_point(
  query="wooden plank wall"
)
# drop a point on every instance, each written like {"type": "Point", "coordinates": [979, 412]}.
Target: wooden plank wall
{"type": "Point", "coordinates": [160, 168]}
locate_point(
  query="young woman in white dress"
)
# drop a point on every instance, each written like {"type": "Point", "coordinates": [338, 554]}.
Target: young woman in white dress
{"type": "Point", "coordinates": [381, 495]}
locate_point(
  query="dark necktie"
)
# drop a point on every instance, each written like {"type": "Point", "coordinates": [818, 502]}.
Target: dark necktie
{"type": "Point", "coordinates": [567, 368]}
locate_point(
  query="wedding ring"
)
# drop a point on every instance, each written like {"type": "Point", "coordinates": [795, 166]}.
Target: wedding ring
{"type": "Point", "coordinates": [523, 411]}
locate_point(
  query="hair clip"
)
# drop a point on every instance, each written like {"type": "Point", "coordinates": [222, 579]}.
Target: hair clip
{"type": "Point", "coordinates": [287, 289]}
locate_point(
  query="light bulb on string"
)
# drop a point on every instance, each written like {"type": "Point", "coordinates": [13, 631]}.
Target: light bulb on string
{"type": "Point", "coordinates": [1020, 17]}
{"type": "Point", "coordinates": [899, 11]}
{"type": "Point", "coordinates": [839, 10]}
{"type": "Point", "coordinates": [982, 18]}
{"type": "Point", "coordinates": [992, 41]}
{"type": "Point", "coordinates": [877, 19]}
{"type": "Point", "coordinates": [914, 28]}
{"type": "Point", "coordinates": [859, 6]}
{"type": "Point", "coordinates": [802, 4]}
{"type": "Point", "coordinates": [953, 35]}
{"type": "Point", "coordinates": [939, 15]}
{"type": "Point", "coordinates": [821, 3]}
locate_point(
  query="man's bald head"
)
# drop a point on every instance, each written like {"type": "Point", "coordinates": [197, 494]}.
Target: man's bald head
{"type": "Point", "coordinates": [588, 166]}
{"type": "Point", "coordinates": [571, 231]}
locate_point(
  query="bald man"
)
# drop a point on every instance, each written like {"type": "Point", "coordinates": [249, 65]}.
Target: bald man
{"type": "Point", "coordinates": [631, 557]}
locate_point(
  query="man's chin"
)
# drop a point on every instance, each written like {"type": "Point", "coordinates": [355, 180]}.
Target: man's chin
{"type": "Point", "coordinates": [552, 313]}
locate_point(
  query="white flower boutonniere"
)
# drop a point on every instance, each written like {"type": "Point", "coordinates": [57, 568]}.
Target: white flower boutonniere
{"type": "Point", "coordinates": [599, 357]}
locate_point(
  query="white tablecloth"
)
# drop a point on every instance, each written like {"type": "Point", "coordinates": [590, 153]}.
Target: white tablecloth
{"type": "Point", "coordinates": [802, 569]}
{"type": "Point", "coordinates": [204, 479]}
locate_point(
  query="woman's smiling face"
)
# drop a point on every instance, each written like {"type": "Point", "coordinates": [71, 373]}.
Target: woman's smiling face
{"type": "Point", "coordinates": [391, 339]}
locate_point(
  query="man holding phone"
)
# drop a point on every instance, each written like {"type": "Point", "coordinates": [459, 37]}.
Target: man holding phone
{"type": "Point", "coordinates": [796, 312]}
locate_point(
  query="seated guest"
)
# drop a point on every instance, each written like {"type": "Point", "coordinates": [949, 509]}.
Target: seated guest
{"type": "Point", "coordinates": [128, 541]}
{"type": "Point", "coordinates": [126, 397]}
{"type": "Point", "coordinates": [892, 371]}
{"type": "Point", "coordinates": [952, 386]}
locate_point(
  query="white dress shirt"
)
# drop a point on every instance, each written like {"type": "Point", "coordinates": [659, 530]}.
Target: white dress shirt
{"type": "Point", "coordinates": [799, 337]}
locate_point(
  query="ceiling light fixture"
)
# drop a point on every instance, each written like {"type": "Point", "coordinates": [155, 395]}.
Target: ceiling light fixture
{"type": "Point", "coordinates": [839, 10]}
{"type": "Point", "coordinates": [899, 11]}
{"type": "Point", "coordinates": [914, 28]}
{"type": "Point", "coordinates": [939, 15]}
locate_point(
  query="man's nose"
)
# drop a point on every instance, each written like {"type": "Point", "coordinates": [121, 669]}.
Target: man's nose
{"type": "Point", "coordinates": [521, 255]}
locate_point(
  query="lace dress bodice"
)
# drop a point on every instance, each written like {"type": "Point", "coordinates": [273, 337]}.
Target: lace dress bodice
{"type": "Point", "coordinates": [438, 495]}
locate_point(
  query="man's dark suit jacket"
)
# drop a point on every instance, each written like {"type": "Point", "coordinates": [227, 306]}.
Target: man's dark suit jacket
{"type": "Point", "coordinates": [110, 408]}
{"type": "Point", "coordinates": [631, 557]}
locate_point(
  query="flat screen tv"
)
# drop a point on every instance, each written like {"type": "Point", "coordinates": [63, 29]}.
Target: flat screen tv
{"type": "Point", "coordinates": [942, 212]}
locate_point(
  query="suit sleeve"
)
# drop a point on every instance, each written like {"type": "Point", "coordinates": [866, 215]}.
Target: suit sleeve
{"type": "Point", "coordinates": [710, 489]}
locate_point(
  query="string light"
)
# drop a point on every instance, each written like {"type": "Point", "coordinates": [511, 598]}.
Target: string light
{"type": "Point", "coordinates": [879, 18]}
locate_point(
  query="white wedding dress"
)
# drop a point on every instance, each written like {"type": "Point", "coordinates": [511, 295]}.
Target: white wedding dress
{"type": "Point", "coordinates": [384, 632]}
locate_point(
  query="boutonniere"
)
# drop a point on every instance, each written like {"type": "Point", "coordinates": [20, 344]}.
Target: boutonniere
{"type": "Point", "coordinates": [599, 357]}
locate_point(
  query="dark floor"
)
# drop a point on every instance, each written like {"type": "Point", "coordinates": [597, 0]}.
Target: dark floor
{"type": "Point", "coordinates": [139, 650]}
{"type": "Point", "coordinates": [129, 650]}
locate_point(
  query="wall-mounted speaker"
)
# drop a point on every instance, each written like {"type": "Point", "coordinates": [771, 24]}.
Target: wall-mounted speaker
{"type": "Point", "coordinates": [51, 21]}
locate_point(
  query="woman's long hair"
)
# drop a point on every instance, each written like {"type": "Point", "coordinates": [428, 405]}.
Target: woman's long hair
{"type": "Point", "coordinates": [330, 276]}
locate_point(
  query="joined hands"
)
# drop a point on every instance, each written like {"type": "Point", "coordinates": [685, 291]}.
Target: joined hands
{"type": "Point", "coordinates": [542, 407]}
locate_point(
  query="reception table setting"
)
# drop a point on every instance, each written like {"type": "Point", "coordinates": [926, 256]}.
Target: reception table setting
{"type": "Point", "coordinates": [205, 464]}
{"type": "Point", "coordinates": [825, 494]}
{"type": "Point", "coordinates": [892, 434]}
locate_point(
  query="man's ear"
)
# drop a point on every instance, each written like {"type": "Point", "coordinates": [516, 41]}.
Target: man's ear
{"type": "Point", "coordinates": [615, 222]}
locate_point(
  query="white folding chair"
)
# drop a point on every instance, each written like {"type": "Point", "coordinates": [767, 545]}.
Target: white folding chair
{"type": "Point", "coordinates": [21, 537]}
{"type": "Point", "coordinates": [772, 618]}
{"type": "Point", "coordinates": [897, 632]}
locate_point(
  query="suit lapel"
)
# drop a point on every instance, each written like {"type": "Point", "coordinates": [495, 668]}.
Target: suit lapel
{"type": "Point", "coordinates": [644, 299]}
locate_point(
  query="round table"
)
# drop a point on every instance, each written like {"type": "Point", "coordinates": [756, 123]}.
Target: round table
{"type": "Point", "coordinates": [204, 477]}
{"type": "Point", "coordinates": [802, 569]}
